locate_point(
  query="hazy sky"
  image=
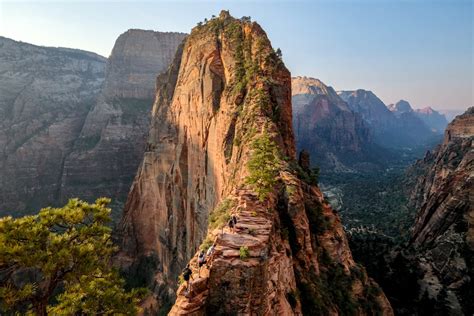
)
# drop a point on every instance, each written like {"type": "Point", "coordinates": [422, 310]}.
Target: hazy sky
{"type": "Point", "coordinates": [421, 51]}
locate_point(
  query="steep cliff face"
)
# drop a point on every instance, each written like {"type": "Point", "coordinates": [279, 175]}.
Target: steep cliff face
{"type": "Point", "coordinates": [110, 146]}
{"type": "Point", "coordinates": [444, 230]}
{"type": "Point", "coordinates": [45, 95]}
{"type": "Point", "coordinates": [221, 144]}
{"type": "Point", "coordinates": [337, 138]}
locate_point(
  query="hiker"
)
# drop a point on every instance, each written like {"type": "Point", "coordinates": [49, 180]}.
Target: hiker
{"type": "Point", "coordinates": [187, 273]}
{"type": "Point", "coordinates": [210, 253]}
{"type": "Point", "coordinates": [231, 224]}
{"type": "Point", "coordinates": [201, 261]}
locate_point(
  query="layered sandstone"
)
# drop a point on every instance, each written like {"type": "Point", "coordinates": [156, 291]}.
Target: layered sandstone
{"type": "Point", "coordinates": [443, 235]}
{"type": "Point", "coordinates": [226, 94]}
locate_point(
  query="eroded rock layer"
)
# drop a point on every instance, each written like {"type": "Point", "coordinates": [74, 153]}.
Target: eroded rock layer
{"type": "Point", "coordinates": [221, 144]}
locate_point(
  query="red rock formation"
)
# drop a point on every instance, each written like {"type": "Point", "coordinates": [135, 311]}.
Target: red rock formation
{"type": "Point", "coordinates": [226, 106]}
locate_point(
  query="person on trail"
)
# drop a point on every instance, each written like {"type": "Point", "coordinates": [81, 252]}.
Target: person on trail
{"type": "Point", "coordinates": [210, 253]}
{"type": "Point", "coordinates": [201, 261]}
{"type": "Point", "coordinates": [231, 225]}
{"type": "Point", "coordinates": [187, 273]}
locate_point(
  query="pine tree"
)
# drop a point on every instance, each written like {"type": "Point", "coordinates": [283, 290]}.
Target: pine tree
{"type": "Point", "coordinates": [62, 250]}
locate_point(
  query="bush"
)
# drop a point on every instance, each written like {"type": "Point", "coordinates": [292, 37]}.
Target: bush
{"type": "Point", "coordinates": [221, 214]}
{"type": "Point", "coordinates": [263, 166]}
{"type": "Point", "coordinates": [244, 252]}
{"type": "Point", "coordinates": [206, 244]}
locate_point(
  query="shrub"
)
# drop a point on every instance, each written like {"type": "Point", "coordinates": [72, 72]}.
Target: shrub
{"type": "Point", "coordinates": [220, 216]}
{"type": "Point", "coordinates": [244, 252]}
{"type": "Point", "coordinates": [206, 244]}
{"type": "Point", "coordinates": [263, 166]}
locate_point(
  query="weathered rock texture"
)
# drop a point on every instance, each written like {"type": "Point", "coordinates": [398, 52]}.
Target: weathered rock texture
{"type": "Point", "coordinates": [443, 235]}
{"type": "Point", "coordinates": [226, 92]}
{"type": "Point", "coordinates": [337, 138]}
{"type": "Point", "coordinates": [110, 147]}
{"type": "Point", "coordinates": [394, 126]}
{"type": "Point", "coordinates": [45, 95]}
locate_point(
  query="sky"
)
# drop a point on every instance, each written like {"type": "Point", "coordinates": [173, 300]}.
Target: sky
{"type": "Point", "coordinates": [419, 51]}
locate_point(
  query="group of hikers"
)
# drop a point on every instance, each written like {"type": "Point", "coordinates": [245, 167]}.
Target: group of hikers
{"type": "Point", "coordinates": [205, 257]}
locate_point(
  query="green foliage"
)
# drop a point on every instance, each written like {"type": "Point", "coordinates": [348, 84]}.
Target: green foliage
{"type": "Point", "coordinates": [206, 244]}
{"type": "Point", "coordinates": [264, 165]}
{"type": "Point", "coordinates": [221, 214]}
{"type": "Point", "coordinates": [67, 249]}
{"type": "Point", "coordinates": [244, 252]}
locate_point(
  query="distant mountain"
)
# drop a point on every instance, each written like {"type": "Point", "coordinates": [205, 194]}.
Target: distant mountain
{"type": "Point", "coordinates": [400, 108]}
{"type": "Point", "coordinates": [451, 114]}
{"type": "Point", "coordinates": [335, 136]}
{"type": "Point", "coordinates": [45, 96]}
{"type": "Point", "coordinates": [433, 119]}
{"type": "Point", "coordinates": [393, 126]}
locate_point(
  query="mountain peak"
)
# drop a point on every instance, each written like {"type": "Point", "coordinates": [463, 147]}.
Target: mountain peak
{"type": "Point", "coordinates": [401, 106]}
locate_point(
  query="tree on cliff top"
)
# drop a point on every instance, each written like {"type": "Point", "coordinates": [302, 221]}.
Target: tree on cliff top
{"type": "Point", "coordinates": [58, 262]}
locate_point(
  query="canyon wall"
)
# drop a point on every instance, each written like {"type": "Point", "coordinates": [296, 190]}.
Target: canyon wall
{"type": "Point", "coordinates": [45, 96]}
{"type": "Point", "coordinates": [443, 234]}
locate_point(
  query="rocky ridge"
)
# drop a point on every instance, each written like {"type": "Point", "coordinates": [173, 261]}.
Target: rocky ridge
{"type": "Point", "coordinates": [443, 234]}
{"type": "Point", "coordinates": [221, 144]}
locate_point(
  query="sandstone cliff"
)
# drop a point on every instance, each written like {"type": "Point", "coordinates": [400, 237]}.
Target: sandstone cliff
{"type": "Point", "coordinates": [110, 146]}
{"type": "Point", "coordinates": [337, 138]}
{"type": "Point", "coordinates": [443, 235]}
{"type": "Point", "coordinates": [45, 95]}
{"type": "Point", "coordinates": [221, 144]}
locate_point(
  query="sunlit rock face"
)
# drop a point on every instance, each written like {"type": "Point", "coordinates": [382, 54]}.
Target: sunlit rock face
{"type": "Point", "coordinates": [226, 90]}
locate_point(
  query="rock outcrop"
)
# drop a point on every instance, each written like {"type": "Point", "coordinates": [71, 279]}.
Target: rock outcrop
{"type": "Point", "coordinates": [106, 156]}
{"type": "Point", "coordinates": [443, 234]}
{"type": "Point", "coordinates": [221, 144]}
{"type": "Point", "coordinates": [45, 96]}
{"type": "Point", "coordinates": [337, 138]}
